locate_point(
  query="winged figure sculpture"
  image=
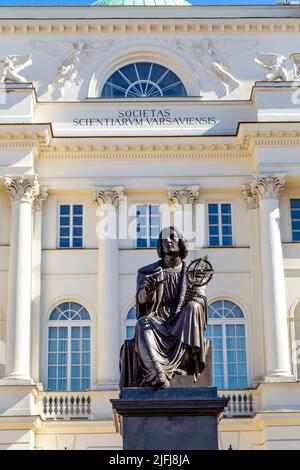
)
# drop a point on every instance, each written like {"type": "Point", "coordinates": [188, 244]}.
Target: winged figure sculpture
{"type": "Point", "coordinates": [274, 63]}
{"type": "Point", "coordinates": [295, 58]}
{"type": "Point", "coordinates": [10, 67]}
{"type": "Point", "coordinates": [212, 55]}
{"type": "Point", "coordinates": [71, 57]}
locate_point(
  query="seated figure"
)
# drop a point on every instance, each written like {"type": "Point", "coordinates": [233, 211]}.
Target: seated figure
{"type": "Point", "coordinates": [171, 320]}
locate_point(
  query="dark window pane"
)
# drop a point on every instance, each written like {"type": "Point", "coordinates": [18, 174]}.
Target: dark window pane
{"type": "Point", "coordinates": [295, 203]}
{"type": "Point", "coordinates": [213, 220]}
{"type": "Point", "coordinates": [214, 241]}
{"type": "Point", "coordinates": [77, 220]}
{"type": "Point", "coordinates": [141, 243]}
{"type": "Point", "coordinates": [226, 241]}
{"type": "Point", "coordinates": [64, 221]}
{"type": "Point", "coordinates": [226, 219]}
{"type": "Point", "coordinates": [213, 208]}
{"type": "Point", "coordinates": [64, 210]}
{"type": "Point", "coordinates": [77, 232]}
{"type": "Point", "coordinates": [226, 230]}
{"type": "Point", "coordinates": [296, 236]}
{"type": "Point", "coordinates": [77, 209]}
{"type": "Point", "coordinates": [77, 242]}
{"type": "Point", "coordinates": [226, 208]}
{"type": "Point", "coordinates": [64, 242]}
{"type": "Point", "coordinates": [213, 230]}
{"type": "Point", "coordinates": [64, 232]}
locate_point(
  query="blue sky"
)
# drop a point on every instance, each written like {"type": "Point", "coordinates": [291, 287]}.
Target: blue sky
{"type": "Point", "coordinates": [88, 2]}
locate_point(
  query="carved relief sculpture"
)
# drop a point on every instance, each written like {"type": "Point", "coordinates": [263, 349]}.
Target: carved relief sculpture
{"type": "Point", "coordinates": [72, 56]}
{"type": "Point", "coordinates": [10, 67]}
{"type": "Point", "coordinates": [275, 64]}
{"type": "Point", "coordinates": [211, 55]}
{"type": "Point", "coordinates": [295, 58]}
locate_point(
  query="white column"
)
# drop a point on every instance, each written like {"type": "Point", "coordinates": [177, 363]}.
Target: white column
{"type": "Point", "coordinates": [259, 366]}
{"type": "Point", "coordinates": [108, 316]}
{"type": "Point", "coordinates": [183, 199]}
{"type": "Point", "coordinates": [36, 284]}
{"type": "Point", "coordinates": [23, 191]}
{"type": "Point", "coordinates": [268, 189]}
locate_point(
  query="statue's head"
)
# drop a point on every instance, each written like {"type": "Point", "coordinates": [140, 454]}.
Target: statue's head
{"type": "Point", "coordinates": [171, 240]}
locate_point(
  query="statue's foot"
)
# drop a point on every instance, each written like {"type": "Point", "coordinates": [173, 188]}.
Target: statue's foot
{"type": "Point", "coordinates": [160, 381]}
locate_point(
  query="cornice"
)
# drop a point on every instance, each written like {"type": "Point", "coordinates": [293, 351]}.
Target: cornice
{"type": "Point", "coordinates": [241, 146]}
{"type": "Point", "coordinates": [149, 26]}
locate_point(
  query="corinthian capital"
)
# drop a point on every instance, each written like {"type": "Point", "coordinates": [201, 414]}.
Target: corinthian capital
{"type": "Point", "coordinates": [250, 196]}
{"type": "Point", "coordinates": [183, 194]}
{"type": "Point", "coordinates": [109, 195]}
{"type": "Point", "coordinates": [269, 186]}
{"type": "Point", "coordinates": [22, 188]}
{"type": "Point", "coordinates": [40, 199]}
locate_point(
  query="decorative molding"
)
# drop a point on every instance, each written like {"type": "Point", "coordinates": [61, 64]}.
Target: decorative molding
{"type": "Point", "coordinates": [21, 188]}
{"type": "Point", "coordinates": [56, 27]}
{"type": "Point", "coordinates": [108, 195]}
{"type": "Point", "coordinates": [269, 186]}
{"type": "Point", "coordinates": [250, 196]}
{"type": "Point", "coordinates": [240, 146]}
{"type": "Point", "coordinates": [40, 199]}
{"type": "Point", "coordinates": [183, 194]}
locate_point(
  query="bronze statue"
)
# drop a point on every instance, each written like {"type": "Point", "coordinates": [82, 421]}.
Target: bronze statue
{"type": "Point", "coordinates": [171, 317]}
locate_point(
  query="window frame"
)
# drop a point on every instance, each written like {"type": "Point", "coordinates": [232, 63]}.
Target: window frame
{"type": "Point", "coordinates": [291, 219]}
{"type": "Point", "coordinates": [147, 224]}
{"type": "Point", "coordinates": [71, 204]}
{"type": "Point", "coordinates": [220, 234]}
{"type": "Point", "coordinates": [129, 322]}
{"type": "Point", "coordinates": [68, 324]}
{"type": "Point", "coordinates": [231, 321]}
{"type": "Point", "coordinates": [134, 63]}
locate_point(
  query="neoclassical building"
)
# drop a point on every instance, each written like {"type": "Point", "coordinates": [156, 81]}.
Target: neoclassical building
{"type": "Point", "coordinates": [116, 119]}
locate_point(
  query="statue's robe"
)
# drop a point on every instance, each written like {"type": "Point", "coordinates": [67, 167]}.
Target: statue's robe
{"type": "Point", "coordinates": [169, 333]}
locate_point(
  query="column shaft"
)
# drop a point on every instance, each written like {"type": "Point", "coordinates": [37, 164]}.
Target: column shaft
{"type": "Point", "coordinates": [108, 315]}
{"type": "Point", "coordinates": [19, 289]}
{"type": "Point", "coordinates": [273, 284]}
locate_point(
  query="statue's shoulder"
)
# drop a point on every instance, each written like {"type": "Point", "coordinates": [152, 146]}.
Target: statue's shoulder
{"type": "Point", "coordinates": [150, 268]}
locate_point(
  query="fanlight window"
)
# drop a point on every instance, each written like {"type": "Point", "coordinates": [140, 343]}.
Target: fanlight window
{"type": "Point", "coordinates": [227, 332]}
{"type": "Point", "coordinates": [143, 80]}
{"type": "Point", "coordinates": [69, 311]}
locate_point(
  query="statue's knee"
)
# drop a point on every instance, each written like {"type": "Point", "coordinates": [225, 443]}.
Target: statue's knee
{"type": "Point", "coordinates": [193, 305]}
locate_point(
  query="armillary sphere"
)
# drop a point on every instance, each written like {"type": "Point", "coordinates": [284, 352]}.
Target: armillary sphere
{"type": "Point", "coordinates": [199, 272]}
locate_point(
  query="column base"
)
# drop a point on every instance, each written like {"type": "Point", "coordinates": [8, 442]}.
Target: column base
{"type": "Point", "coordinates": [277, 377]}
{"type": "Point", "coordinates": [104, 386]}
{"type": "Point", "coordinates": [17, 379]}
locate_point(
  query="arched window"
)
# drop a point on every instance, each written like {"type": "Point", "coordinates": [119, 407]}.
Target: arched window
{"type": "Point", "coordinates": [130, 323]}
{"type": "Point", "coordinates": [143, 80]}
{"type": "Point", "coordinates": [69, 347]}
{"type": "Point", "coordinates": [226, 330]}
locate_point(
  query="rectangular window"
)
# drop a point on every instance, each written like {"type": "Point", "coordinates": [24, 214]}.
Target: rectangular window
{"type": "Point", "coordinates": [70, 226]}
{"type": "Point", "coordinates": [295, 218]}
{"type": "Point", "coordinates": [220, 224]}
{"type": "Point", "coordinates": [147, 225]}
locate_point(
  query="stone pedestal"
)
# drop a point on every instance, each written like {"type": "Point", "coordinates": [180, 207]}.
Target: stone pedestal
{"type": "Point", "coordinates": [183, 418]}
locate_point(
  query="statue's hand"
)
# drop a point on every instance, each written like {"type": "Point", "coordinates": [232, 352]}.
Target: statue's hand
{"type": "Point", "coordinates": [153, 282]}
{"type": "Point", "coordinates": [191, 295]}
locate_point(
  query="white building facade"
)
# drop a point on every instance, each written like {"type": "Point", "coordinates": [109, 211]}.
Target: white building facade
{"type": "Point", "coordinates": [138, 116]}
